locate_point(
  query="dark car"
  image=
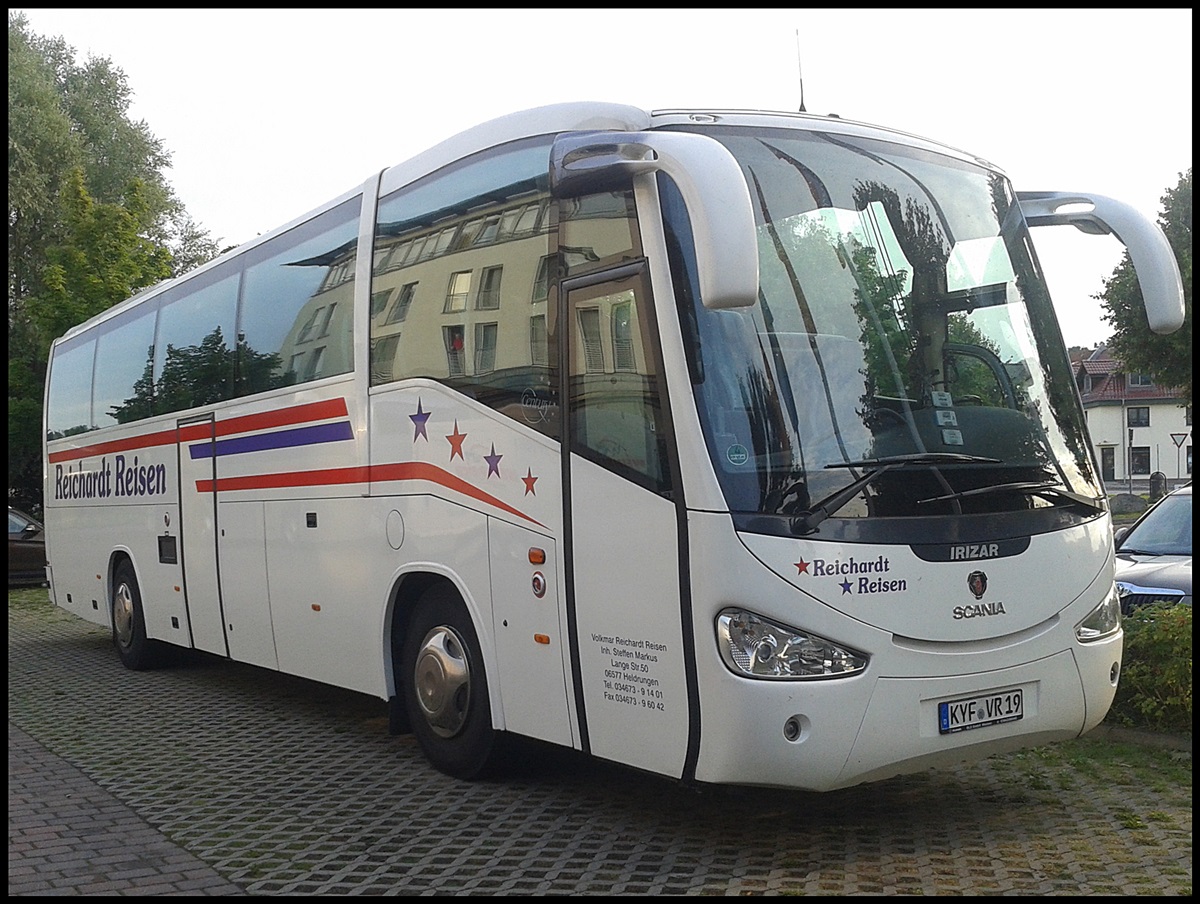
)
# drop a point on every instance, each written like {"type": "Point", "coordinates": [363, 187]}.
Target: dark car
{"type": "Point", "coordinates": [26, 549]}
{"type": "Point", "coordinates": [1154, 555]}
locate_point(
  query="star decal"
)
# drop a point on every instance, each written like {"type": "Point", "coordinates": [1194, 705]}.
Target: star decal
{"type": "Point", "coordinates": [529, 481]}
{"type": "Point", "coordinates": [801, 567]}
{"type": "Point", "coordinates": [493, 461]}
{"type": "Point", "coordinates": [845, 587]}
{"type": "Point", "coordinates": [456, 442]}
{"type": "Point", "coordinates": [419, 420]}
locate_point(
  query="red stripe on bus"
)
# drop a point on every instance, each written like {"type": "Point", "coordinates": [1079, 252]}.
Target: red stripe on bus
{"type": "Point", "coordinates": [312, 411]}
{"type": "Point", "coordinates": [280, 417]}
{"type": "Point", "coordinates": [145, 441]}
{"type": "Point", "coordinates": [413, 470]}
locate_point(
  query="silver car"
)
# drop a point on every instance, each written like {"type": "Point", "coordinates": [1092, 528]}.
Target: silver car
{"type": "Point", "coordinates": [1154, 554]}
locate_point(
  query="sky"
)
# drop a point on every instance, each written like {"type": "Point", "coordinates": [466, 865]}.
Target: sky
{"type": "Point", "coordinates": [267, 114]}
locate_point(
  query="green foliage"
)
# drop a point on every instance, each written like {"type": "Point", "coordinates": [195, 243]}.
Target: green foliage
{"type": "Point", "coordinates": [105, 260]}
{"type": "Point", "coordinates": [1168, 359]}
{"type": "Point", "coordinates": [1156, 673]}
{"type": "Point", "coordinates": [91, 218]}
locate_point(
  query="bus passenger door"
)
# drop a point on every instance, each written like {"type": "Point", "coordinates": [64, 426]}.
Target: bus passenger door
{"type": "Point", "coordinates": [623, 548]}
{"type": "Point", "coordinates": [224, 555]}
{"type": "Point", "coordinates": [196, 439]}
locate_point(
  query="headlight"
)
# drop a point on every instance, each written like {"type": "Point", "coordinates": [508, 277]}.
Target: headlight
{"type": "Point", "coordinates": [757, 648]}
{"type": "Point", "coordinates": [1103, 621]}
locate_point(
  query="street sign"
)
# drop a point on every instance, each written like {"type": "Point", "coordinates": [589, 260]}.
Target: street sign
{"type": "Point", "coordinates": [1178, 438]}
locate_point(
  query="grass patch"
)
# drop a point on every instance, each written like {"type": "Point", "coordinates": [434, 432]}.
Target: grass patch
{"type": "Point", "coordinates": [29, 599]}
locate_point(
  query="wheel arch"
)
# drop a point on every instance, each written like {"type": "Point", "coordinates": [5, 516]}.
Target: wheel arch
{"type": "Point", "coordinates": [118, 557]}
{"type": "Point", "coordinates": [407, 588]}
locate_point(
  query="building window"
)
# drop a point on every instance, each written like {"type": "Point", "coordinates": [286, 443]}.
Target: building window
{"type": "Point", "coordinates": [485, 347]}
{"type": "Point", "coordinates": [541, 282]}
{"type": "Point", "coordinates": [491, 227]}
{"type": "Point", "coordinates": [444, 240]}
{"type": "Point", "coordinates": [324, 331]}
{"type": "Point", "coordinates": [589, 331]}
{"type": "Point", "coordinates": [1139, 416]}
{"type": "Point", "coordinates": [383, 358]}
{"type": "Point", "coordinates": [1139, 460]}
{"type": "Point", "coordinates": [488, 298]}
{"type": "Point", "coordinates": [466, 235]}
{"type": "Point", "coordinates": [455, 349]}
{"type": "Point", "coordinates": [312, 369]}
{"type": "Point", "coordinates": [306, 331]}
{"type": "Point", "coordinates": [1139, 380]}
{"type": "Point", "coordinates": [412, 254]}
{"type": "Point", "coordinates": [379, 301]}
{"type": "Point", "coordinates": [622, 335]}
{"type": "Point", "coordinates": [538, 355]}
{"type": "Point", "coordinates": [457, 292]}
{"type": "Point", "coordinates": [529, 218]}
{"type": "Point", "coordinates": [403, 300]}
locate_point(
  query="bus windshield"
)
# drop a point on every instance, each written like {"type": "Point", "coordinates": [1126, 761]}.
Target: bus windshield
{"type": "Point", "coordinates": [903, 359]}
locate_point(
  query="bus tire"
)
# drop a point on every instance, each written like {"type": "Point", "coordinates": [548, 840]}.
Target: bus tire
{"type": "Point", "coordinates": [136, 650]}
{"type": "Point", "coordinates": [445, 687]}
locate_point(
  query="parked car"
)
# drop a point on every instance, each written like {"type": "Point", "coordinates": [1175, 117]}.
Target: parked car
{"type": "Point", "coordinates": [1154, 554]}
{"type": "Point", "coordinates": [26, 549]}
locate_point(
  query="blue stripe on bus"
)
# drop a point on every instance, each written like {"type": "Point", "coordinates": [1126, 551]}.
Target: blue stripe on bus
{"type": "Point", "coordinates": [282, 439]}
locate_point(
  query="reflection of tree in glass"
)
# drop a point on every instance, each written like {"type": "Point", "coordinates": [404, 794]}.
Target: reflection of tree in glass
{"type": "Point", "coordinates": [194, 375]}
{"type": "Point", "coordinates": [887, 345]}
{"type": "Point", "coordinates": [926, 246]}
{"type": "Point", "coordinates": [260, 371]}
{"type": "Point", "coordinates": [141, 405]}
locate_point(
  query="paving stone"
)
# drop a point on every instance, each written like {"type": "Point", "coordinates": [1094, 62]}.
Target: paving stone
{"type": "Point", "coordinates": [215, 778]}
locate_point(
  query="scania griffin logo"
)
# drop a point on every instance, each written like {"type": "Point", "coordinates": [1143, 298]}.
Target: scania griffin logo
{"type": "Point", "coordinates": [977, 584]}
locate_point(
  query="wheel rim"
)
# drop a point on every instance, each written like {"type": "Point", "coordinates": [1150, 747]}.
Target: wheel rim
{"type": "Point", "coordinates": [442, 679]}
{"type": "Point", "coordinates": [123, 615]}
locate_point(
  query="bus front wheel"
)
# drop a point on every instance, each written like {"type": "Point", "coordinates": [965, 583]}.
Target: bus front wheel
{"type": "Point", "coordinates": [445, 687]}
{"type": "Point", "coordinates": [136, 650]}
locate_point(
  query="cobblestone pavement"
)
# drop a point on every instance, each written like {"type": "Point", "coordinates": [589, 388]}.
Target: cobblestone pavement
{"type": "Point", "coordinates": [221, 779]}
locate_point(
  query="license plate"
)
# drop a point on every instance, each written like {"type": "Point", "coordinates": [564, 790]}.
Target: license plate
{"type": "Point", "coordinates": [990, 708]}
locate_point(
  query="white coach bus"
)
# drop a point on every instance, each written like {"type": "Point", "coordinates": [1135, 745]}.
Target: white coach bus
{"type": "Point", "coordinates": [736, 447]}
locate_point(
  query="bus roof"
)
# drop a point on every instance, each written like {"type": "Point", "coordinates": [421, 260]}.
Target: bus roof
{"type": "Point", "coordinates": [546, 120]}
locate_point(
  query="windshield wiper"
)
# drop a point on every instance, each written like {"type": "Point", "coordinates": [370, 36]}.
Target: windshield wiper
{"type": "Point", "coordinates": [806, 522]}
{"type": "Point", "coordinates": [917, 458]}
{"type": "Point", "coordinates": [1033, 488]}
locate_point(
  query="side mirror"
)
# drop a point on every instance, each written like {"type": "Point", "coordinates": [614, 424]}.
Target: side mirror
{"type": "Point", "coordinates": [1153, 260]}
{"type": "Point", "coordinates": [709, 179]}
{"type": "Point", "coordinates": [1118, 534]}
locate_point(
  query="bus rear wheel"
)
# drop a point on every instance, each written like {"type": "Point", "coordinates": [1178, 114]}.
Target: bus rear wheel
{"type": "Point", "coordinates": [445, 687]}
{"type": "Point", "coordinates": [136, 650]}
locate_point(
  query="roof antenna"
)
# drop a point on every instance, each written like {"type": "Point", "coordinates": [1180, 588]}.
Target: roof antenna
{"type": "Point", "coordinates": [800, 71]}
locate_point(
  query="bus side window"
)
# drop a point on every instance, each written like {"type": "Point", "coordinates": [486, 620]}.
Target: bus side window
{"type": "Point", "coordinates": [295, 323]}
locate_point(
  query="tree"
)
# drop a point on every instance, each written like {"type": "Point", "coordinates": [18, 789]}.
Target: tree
{"type": "Point", "coordinates": [103, 260]}
{"type": "Point", "coordinates": [86, 189]}
{"type": "Point", "coordinates": [1168, 359]}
